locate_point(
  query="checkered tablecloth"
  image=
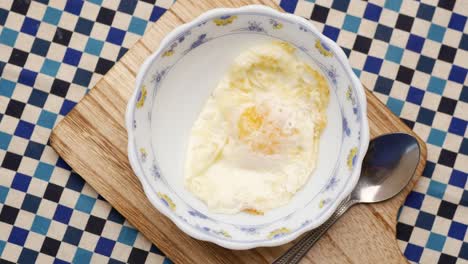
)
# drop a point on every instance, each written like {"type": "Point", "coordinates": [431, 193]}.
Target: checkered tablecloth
{"type": "Point", "coordinates": [413, 55]}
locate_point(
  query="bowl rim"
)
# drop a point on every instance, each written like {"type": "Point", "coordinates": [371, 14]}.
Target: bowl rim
{"type": "Point", "coordinates": [132, 151]}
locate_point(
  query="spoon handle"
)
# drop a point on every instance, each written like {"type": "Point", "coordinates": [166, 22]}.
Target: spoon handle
{"type": "Point", "coordinates": [297, 252]}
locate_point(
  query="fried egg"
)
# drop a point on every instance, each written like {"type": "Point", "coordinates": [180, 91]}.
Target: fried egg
{"type": "Point", "coordinates": [255, 142]}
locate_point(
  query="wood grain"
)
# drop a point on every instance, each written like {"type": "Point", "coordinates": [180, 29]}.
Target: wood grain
{"type": "Point", "coordinates": [92, 139]}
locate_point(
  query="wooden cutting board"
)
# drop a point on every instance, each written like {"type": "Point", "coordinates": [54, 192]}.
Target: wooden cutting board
{"type": "Point", "coordinates": [92, 139]}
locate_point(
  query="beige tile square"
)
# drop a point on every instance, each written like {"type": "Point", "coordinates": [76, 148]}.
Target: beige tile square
{"type": "Point", "coordinates": [429, 256]}
{"type": "Point", "coordinates": [92, 11]}
{"type": "Point", "coordinates": [443, 225]}
{"type": "Point", "coordinates": [121, 252]}
{"type": "Point", "coordinates": [41, 134]}
{"type": "Point", "coordinates": [408, 215]}
{"type": "Point", "coordinates": [461, 163]}
{"type": "Point", "coordinates": [441, 172]}
{"type": "Point", "coordinates": [14, 21]}
{"type": "Point", "coordinates": [69, 198]}
{"type": "Point", "coordinates": [68, 21]}
{"type": "Point", "coordinates": [24, 42]}
{"type": "Point", "coordinates": [49, 156]}
{"type": "Point", "coordinates": [419, 236]}
{"type": "Point", "coordinates": [452, 246]}
{"type": "Point", "coordinates": [37, 188]}
{"type": "Point", "coordinates": [18, 145]}
{"type": "Point", "coordinates": [441, 69]}
{"type": "Point", "coordinates": [142, 243]}
{"type": "Point", "coordinates": [34, 241]}
{"type": "Point", "coordinates": [47, 209]}
{"type": "Point", "coordinates": [56, 52]}
{"type": "Point", "coordinates": [357, 8]}
{"type": "Point", "coordinates": [101, 209]}
{"type": "Point", "coordinates": [79, 219]}
{"type": "Point", "coordinates": [98, 258]}
{"type": "Point", "coordinates": [430, 204]}
{"type": "Point", "coordinates": [441, 121]}
{"type": "Point", "coordinates": [11, 252]}
{"type": "Point", "coordinates": [36, 10]}
{"type": "Point", "coordinates": [121, 21]}
{"type": "Point", "coordinates": [303, 8]}
{"type": "Point", "coordinates": [66, 252]}
{"type": "Point", "coordinates": [453, 194]}
{"type": "Point", "coordinates": [6, 231]}
{"type": "Point", "coordinates": [441, 17]}
{"type": "Point", "coordinates": [24, 219]}
{"type": "Point", "coordinates": [111, 230]}
{"type": "Point", "coordinates": [42, 258]}
{"type": "Point", "coordinates": [15, 198]}
{"type": "Point", "coordinates": [88, 241]}
{"type": "Point", "coordinates": [453, 142]}
{"type": "Point", "coordinates": [57, 230]}
{"type": "Point", "coordinates": [8, 124]}
{"type": "Point", "coordinates": [46, 31]}
{"type": "Point", "coordinates": [31, 113]}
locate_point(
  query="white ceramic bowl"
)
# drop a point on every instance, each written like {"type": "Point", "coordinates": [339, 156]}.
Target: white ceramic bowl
{"type": "Point", "coordinates": [174, 83]}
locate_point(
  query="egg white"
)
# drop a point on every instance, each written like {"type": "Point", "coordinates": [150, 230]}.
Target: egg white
{"type": "Point", "coordinates": [255, 142]}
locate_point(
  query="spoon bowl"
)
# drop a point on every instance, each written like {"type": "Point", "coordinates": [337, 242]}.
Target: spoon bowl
{"type": "Point", "coordinates": [388, 167]}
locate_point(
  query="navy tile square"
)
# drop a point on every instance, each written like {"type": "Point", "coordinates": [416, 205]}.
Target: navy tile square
{"type": "Point", "coordinates": [413, 252]}
{"type": "Point", "coordinates": [72, 235]}
{"type": "Point", "coordinates": [458, 178]}
{"type": "Point", "coordinates": [447, 4]}
{"type": "Point", "coordinates": [15, 108]}
{"type": "Point", "coordinates": [115, 36]}
{"type": "Point", "coordinates": [20, 7]}
{"type": "Point", "coordinates": [425, 12]}
{"type": "Point", "coordinates": [24, 129]}
{"type": "Point", "coordinates": [114, 261]}
{"type": "Point", "coordinates": [464, 42]}
{"type": "Point", "coordinates": [40, 47]}
{"type": "Point", "coordinates": [27, 256]}
{"type": "Point", "coordinates": [425, 116]}
{"type": "Point", "coordinates": [8, 214]}
{"type": "Point", "coordinates": [289, 6]}
{"type": "Point", "coordinates": [74, 7]}
{"type": "Point", "coordinates": [95, 225]}
{"type": "Point", "coordinates": [104, 246]}
{"type": "Point", "coordinates": [27, 77]}
{"type": "Point", "coordinates": [425, 64]}
{"type": "Point", "coordinates": [67, 106]}
{"type": "Point", "coordinates": [458, 74]}
{"type": "Point", "coordinates": [63, 214]}
{"type": "Point", "coordinates": [372, 12]}
{"type": "Point", "coordinates": [341, 5]}
{"type": "Point", "coordinates": [137, 256]}
{"type": "Point", "coordinates": [53, 192]}
{"type": "Point", "coordinates": [447, 158]}
{"type": "Point", "coordinates": [31, 203]}
{"type": "Point", "coordinates": [447, 105]}
{"type": "Point", "coordinates": [383, 33]}
{"type": "Point", "coordinates": [464, 94]}
{"type": "Point", "coordinates": [464, 198]}
{"type": "Point", "coordinates": [415, 95]}
{"type": "Point", "coordinates": [18, 236]}
{"type": "Point", "coordinates": [447, 209]}
{"type": "Point", "coordinates": [447, 53]}
{"type": "Point", "coordinates": [156, 13]}
{"type": "Point", "coordinates": [60, 88]}
{"type": "Point", "coordinates": [122, 52]}
{"type": "Point", "coordinates": [50, 246]}
{"type": "Point", "coordinates": [129, 6]}
{"type": "Point", "coordinates": [105, 16]}
{"type": "Point", "coordinates": [37, 98]}
{"type": "Point", "coordinates": [115, 216]}
{"type": "Point", "coordinates": [414, 200]}
{"type": "Point", "coordinates": [404, 22]}
{"type": "Point", "coordinates": [320, 13]}
{"type": "Point", "coordinates": [415, 43]}
{"type": "Point", "coordinates": [84, 26]}
{"type": "Point", "coordinates": [331, 32]}
{"type": "Point", "coordinates": [362, 44]}
{"type": "Point", "coordinates": [34, 150]}
{"type": "Point", "coordinates": [59, 261]}
{"type": "Point", "coordinates": [82, 77]}
{"type": "Point", "coordinates": [103, 66]}
{"type": "Point", "coordinates": [464, 251]}
{"type": "Point", "coordinates": [21, 182]}
{"type": "Point", "coordinates": [404, 231]}
{"type": "Point", "coordinates": [458, 126]}
{"type": "Point", "coordinates": [11, 161]}
{"type": "Point", "coordinates": [18, 57]}
{"type": "Point", "coordinates": [457, 230]}
{"type": "Point", "coordinates": [447, 259]}
{"type": "Point", "coordinates": [62, 36]}
{"type": "Point", "coordinates": [429, 169]}
{"type": "Point", "coordinates": [75, 182]}
{"type": "Point", "coordinates": [373, 64]}
{"type": "Point", "coordinates": [72, 56]}
{"type": "Point", "coordinates": [3, 16]}
{"type": "Point", "coordinates": [425, 220]}
{"type": "Point", "coordinates": [383, 85]}
{"type": "Point", "coordinates": [62, 164]}
{"type": "Point", "coordinates": [463, 147]}
{"type": "Point", "coordinates": [30, 26]}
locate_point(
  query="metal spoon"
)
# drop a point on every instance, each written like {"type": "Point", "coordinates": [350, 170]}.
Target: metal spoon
{"type": "Point", "coordinates": [387, 168]}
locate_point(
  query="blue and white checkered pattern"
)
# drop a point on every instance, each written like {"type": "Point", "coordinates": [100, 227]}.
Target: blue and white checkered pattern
{"type": "Point", "coordinates": [413, 55]}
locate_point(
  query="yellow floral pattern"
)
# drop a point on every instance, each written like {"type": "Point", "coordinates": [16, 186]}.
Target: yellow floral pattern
{"type": "Point", "coordinates": [168, 201]}
{"type": "Point", "coordinates": [323, 49]}
{"type": "Point", "coordinates": [278, 232]}
{"type": "Point", "coordinates": [352, 157]}
{"type": "Point", "coordinates": [224, 20]}
{"type": "Point", "coordinates": [141, 97]}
